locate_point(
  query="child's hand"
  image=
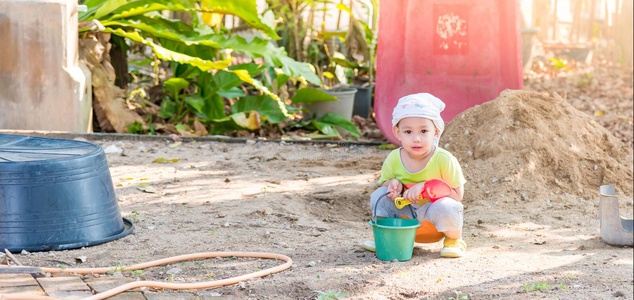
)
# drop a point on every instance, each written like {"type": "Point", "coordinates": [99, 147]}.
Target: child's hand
{"type": "Point", "coordinates": [394, 188]}
{"type": "Point", "coordinates": [413, 193]}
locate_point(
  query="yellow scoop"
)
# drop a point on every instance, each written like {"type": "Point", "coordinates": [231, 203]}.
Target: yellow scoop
{"type": "Point", "coordinates": [401, 202]}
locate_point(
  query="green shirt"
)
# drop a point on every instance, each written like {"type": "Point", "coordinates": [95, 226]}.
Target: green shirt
{"type": "Point", "coordinates": [442, 165]}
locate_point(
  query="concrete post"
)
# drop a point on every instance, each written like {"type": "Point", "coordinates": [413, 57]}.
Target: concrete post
{"type": "Point", "coordinates": [42, 87]}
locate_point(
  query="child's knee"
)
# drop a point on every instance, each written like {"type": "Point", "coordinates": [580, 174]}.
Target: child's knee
{"type": "Point", "coordinates": [377, 194]}
{"type": "Point", "coordinates": [447, 214]}
{"type": "Point", "coordinates": [449, 206]}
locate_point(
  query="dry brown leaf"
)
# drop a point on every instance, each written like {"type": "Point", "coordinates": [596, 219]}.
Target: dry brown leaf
{"type": "Point", "coordinates": [108, 99]}
{"type": "Point", "coordinates": [200, 129]}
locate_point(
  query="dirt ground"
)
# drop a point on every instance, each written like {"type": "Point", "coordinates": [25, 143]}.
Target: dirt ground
{"type": "Point", "coordinates": [533, 164]}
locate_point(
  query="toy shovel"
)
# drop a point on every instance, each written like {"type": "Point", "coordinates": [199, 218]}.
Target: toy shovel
{"type": "Point", "coordinates": [432, 190]}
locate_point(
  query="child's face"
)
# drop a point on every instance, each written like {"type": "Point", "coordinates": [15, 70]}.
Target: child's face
{"type": "Point", "coordinates": [416, 134]}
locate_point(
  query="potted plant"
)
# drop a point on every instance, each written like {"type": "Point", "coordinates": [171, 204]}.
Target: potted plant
{"type": "Point", "coordinates": [360, 43]}
{"type": "Point", "coordinates": [359, 79]}
{"type": "Point", "coordinates": [323, 53]}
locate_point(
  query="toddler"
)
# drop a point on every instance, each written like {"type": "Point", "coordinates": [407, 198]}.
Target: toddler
{"type": "Point", "coordinates": [417, 125]}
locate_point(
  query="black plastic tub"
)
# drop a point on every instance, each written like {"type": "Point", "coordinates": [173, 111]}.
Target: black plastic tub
{"type": "Point", "coordinates": [56, 194]}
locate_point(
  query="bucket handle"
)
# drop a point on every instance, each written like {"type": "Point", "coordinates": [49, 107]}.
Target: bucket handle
{"type": "Point", "coordinates": [373, 221]}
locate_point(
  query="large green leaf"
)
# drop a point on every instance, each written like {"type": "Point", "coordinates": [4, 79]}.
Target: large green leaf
{"type": "Point", "coordinates": [244, 75]}
{"type": "Point", "coordinates": [253, 68]}
{"type": "Point", "coordinates": [147, 7]}
{"type": "Point", "coordinates": [309, 95]}
{"type": "Point", "coordinates": [274, 56]}
{"type": "Point", "coordinates": [232, 93]}
{"type": "Point", "coordinates": [244, 120]}
{"type": "Point", "coordinates": [167, 109]}
{"type": "Point", "coordinates": [295, 68]}
{"type": "Point", "coordinates": [213, 107]}
{"type": "Point", "coordinates": [226, 80]}
{"type": "Point", "coordinates": [255, 48]}
{"type": "Point", "coordinates": [174, 85]}
{"type": "Point", "coordinates": [175, 25]}
{"type": "Point", "coordinates": [165, 54]}
{"type": "Point", "coordinates": [202, 52]}
{"type": "Point", "coordinates": [104, 9]}
{"type": "Point", "coordinates": [93, 6]}
{"type": "Point", "coordinates": [121, 9]}
{"type": "Point", "coordinates": [264, 105]}
{"type": "Point", "coordinates": [159, 30]}
{"type": "Point", "coordinates": [327, 129]}
{"type": "Point", "coordinates": [281, 79]}
{"type": "Point", "coordinates": [245, 9]}
{"type": "Point", "coordinates": [108, 7]}
{"type": "Point", "coordinates": [336, 120]}
{"type": "Point", "coordinates": [196, 102]}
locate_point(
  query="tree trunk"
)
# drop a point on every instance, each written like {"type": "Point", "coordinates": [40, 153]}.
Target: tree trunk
{"type": "Point", "coordinates": [593, 6]}
{"type": "Point", "coordinates": [298, 52]}
{"type": "Point", "coordinates": [574, 29]}
{"type": "Point", "coordinates": [555, 19]}
{"type": "Point", "coordinates": [624, 26]}
{"type": "Point", "coordinates": [541, 18]}
{"type": "Point", "coordinates": [339, 15]}
{"type": "Point", "coordinates": [119, 61]}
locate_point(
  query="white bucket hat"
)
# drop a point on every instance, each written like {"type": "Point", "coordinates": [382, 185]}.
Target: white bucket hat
{"type": "Point", "coordinates": [421, 105]}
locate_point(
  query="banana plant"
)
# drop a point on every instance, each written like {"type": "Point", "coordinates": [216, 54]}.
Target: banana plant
{"type": "Point", "coordinates": [361, 37]}
{"type": "Point", "coordinates": [202, 48]}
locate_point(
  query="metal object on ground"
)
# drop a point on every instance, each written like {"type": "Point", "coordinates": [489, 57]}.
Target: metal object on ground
{"type": "Point", "coordinates": [615, 230]}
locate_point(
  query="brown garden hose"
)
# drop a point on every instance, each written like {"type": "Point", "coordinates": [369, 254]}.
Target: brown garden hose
{"type": "Point", "coordinates": [165, 285]}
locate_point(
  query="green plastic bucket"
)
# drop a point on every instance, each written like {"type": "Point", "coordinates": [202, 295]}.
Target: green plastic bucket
{"type": "Point", "coordinates": [394, 238]}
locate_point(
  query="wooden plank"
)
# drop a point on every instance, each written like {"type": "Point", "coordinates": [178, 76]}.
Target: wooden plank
{"type": "Point", "coordinates": [13, 280]}
{"type": "Point", "coordinates": [66, 283]}
{"type": "Point", "coordinates": [101, 285]}
{"type": "Point", "coordinates": [170, 296]}
{"type": "Point", "coordinates": [128, 296]}
{"type": "Point", "coordinates": [214, 297]}
{"type": "Point", "coordinates": [69, 295]}
{"type": "Point", "coordinates": [22, 290]}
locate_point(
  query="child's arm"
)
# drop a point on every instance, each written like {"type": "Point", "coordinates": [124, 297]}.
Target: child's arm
{"type": "Point", "coordinates": [457, 193]}
{"type": "Point", "coordinates": [414, 193]}
{"type": "Point", "coordinates": [394, 188]}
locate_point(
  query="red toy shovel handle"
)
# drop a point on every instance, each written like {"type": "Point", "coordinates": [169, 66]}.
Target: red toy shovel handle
{"type": "Point", "coordinates": [435, 189]}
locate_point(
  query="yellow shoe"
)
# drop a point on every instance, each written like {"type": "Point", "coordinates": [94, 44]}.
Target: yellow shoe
{"type": "Point", "coordinates": [453, 248]}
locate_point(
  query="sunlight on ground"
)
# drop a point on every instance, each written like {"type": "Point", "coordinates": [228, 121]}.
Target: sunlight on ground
{"type": "Point", "coordinates": [623, 261]}
{"type": "Point", "coordinates": [190, 183]}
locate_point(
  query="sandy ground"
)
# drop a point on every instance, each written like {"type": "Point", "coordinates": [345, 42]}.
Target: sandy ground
{"type": "Point", "coordinates": [528, 236]}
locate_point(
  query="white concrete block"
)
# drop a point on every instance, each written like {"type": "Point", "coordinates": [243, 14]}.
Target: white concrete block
{"type": "Point", "coordinates": [42, 86]}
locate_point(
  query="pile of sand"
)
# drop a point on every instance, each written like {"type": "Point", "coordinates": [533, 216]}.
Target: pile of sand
{"type": "Point", "coordinates": [533, 144]}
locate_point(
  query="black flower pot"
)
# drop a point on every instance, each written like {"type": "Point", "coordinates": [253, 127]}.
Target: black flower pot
{"type": "Point", "coordinates": [362, 102]}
